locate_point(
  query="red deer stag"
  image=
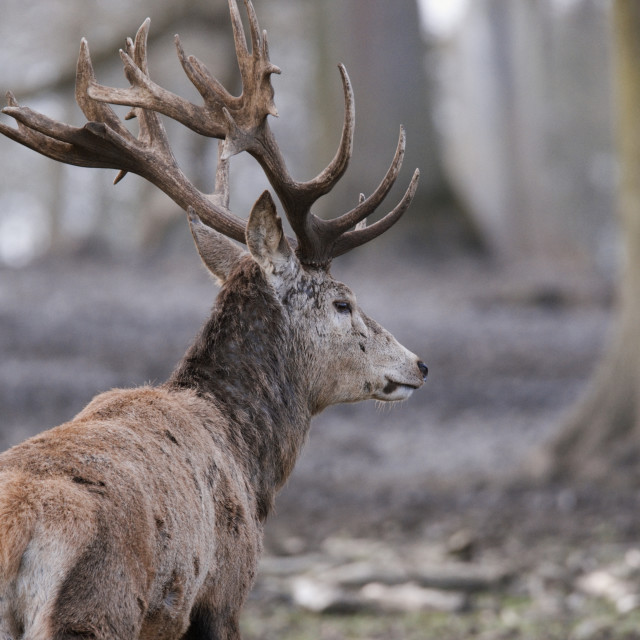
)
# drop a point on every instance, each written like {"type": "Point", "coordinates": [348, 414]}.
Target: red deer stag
{"type": "Point", "coordinates": [143, 516]}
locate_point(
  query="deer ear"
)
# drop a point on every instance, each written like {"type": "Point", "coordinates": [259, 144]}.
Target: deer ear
{"type": "Point", "coordinates": [219, 254]}
{"type": "Point", "coordinates": [266, 240]}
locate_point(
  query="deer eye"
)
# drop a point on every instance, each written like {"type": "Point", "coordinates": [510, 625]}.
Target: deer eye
{"type": "Point", "coordinates": [342, 306]}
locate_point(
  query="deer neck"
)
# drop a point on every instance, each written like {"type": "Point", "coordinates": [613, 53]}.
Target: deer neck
{"type": "Point", "coordinates": [244, 364]}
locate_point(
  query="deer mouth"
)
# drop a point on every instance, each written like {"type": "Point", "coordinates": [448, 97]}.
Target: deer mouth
{"type": "Point", "coordinates": [396, 391]}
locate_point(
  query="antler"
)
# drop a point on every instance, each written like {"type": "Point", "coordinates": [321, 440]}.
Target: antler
{"type": "Point", "coordinates": [240, 122]}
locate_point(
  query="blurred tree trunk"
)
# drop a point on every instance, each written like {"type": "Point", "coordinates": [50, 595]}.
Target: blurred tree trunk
{"type": "Point", "coordinates": [602, 438]}
{"type": "Point", "coordinates": [527, 130]}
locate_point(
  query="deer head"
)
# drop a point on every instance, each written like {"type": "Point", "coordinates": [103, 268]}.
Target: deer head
{"type": "Point", "coordinates": [348, 357]}
{"type": "Point", "coordinates": [343, 355]}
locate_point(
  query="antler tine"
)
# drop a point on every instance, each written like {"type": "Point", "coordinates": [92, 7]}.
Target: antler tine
{"type": "Point", "coordinates": [256, 48]}
{"type": "Point", "coordinates": [363, 234]}
{"type": "Point", "coordinates": [92, 109]}
{"type": "Point", "coordinates": [34, 139]}
{"type": "Point", "coordinates": [239, 38]}
{"type": "Point", "coordinates": [82, 147]}
{"type": "Point", "coordinates": [340, 225]}
{"type": "Point", "coordinates": [327, 179]}
{"type": "Point", "coordinates": [151, 129]}
{"type": "Point", "coordinates": [265, 49]}
{"type": "Point", "coordinates": [207, 85]}
{"type": "Point", "coordinates": [363, 223]}
{"type": "Point", "coordinates": [138, 50]}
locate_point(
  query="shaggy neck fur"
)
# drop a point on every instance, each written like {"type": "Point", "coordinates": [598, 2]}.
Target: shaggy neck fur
{"type": "Point", "coordinates": [244, 362]}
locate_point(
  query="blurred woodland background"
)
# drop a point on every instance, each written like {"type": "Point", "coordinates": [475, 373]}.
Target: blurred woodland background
{"type": "Point", "coordinates": [515, 276]}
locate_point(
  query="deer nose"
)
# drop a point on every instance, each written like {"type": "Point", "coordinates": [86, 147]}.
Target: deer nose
{"type": "Point", "coordinates": [423, 369]}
